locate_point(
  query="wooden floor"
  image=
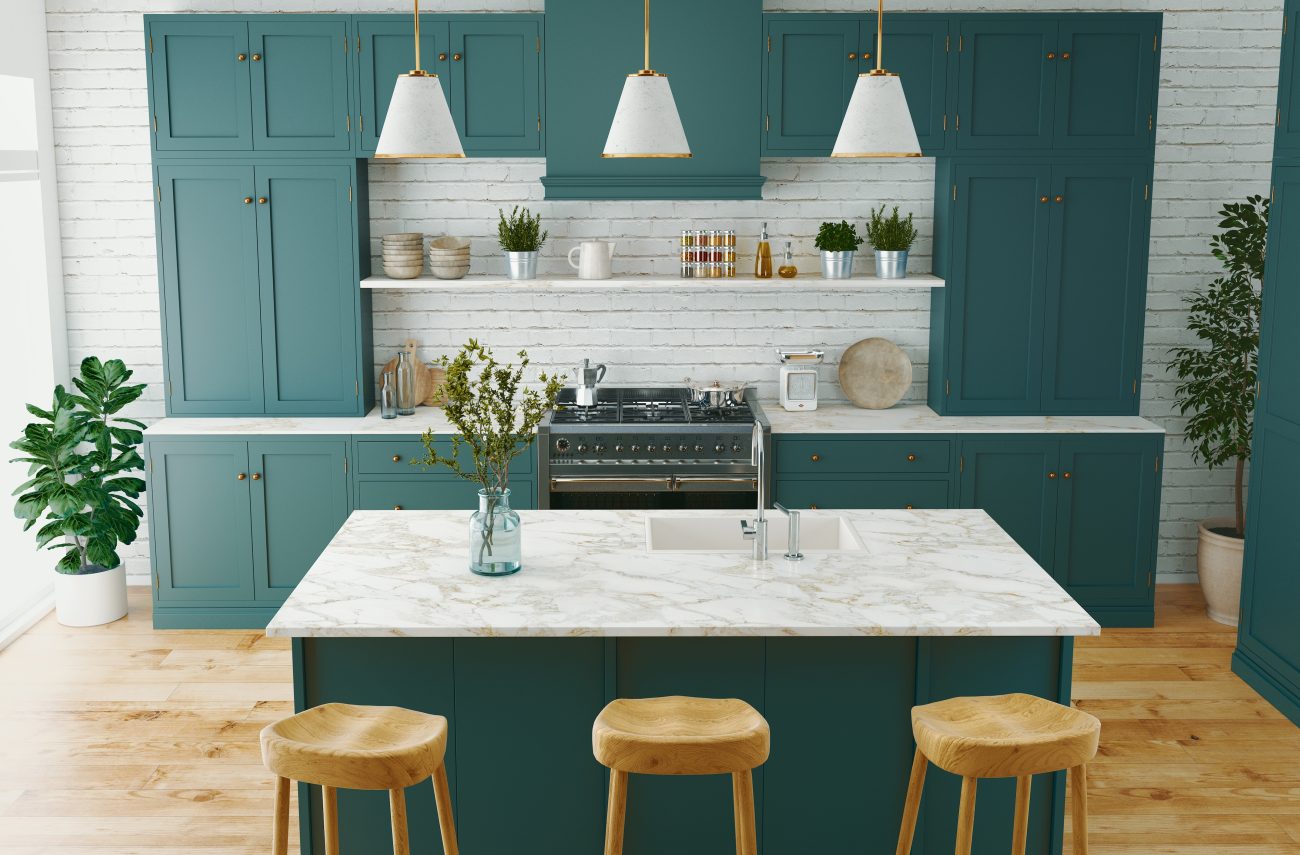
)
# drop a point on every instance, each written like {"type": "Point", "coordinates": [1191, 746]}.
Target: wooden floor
{"type": "Point", "coordinates": [121, 739]}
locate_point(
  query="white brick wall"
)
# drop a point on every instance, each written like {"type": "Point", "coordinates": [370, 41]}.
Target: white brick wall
{"type": "Point", "coordinates": [1218, 81]}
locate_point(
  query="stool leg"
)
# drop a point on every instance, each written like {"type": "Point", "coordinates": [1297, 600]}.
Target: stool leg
{"type": "Point", "coordinates": [280, 832]}
{"type": "Point", "coordinates": [616, 812]}
{"type": "Point", "coordinates": [966, 816]}
{"type": "Point", "coordinates": [446, 823]}
{"type": "Point", "coordinates": [330, 801]}
{"type": "Point", "coordinates": [742, 798]}
{"type": "Point", "coordinates": [912, 806]}
{"type": "Point", "coordinates": [1020, 832]}
{"type": "Point", "coordinates": [1079, 808]}
{"type": "Point", "coordinates": [397, 805]}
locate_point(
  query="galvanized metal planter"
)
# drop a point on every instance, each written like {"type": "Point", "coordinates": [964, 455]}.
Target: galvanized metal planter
{"type": "Point", "coordinates": [837, 265]}
{"type": "Point", "coordinates": [521, 265]}
{"type": "Point", "coordinates": [891, 265]}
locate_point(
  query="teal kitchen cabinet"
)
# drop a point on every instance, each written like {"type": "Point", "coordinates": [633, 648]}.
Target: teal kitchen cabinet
{"type": "Point", "coordinates": [796, 493]}
{"type": "Point", "coordinates": [1105, 81]}
{"type": "Point", "coordinates": [225, 83]}
{"type": "Point", "coordinates": [386, 479]}
{"type": "Point", "coordinates": [1006, 82]}
{"type": "Point", "coordinates": [856, 471]}
{"type": "Point", "coordinates": [490, 66]}
{"type": "Point", "coordinates": [260, 301]}
{"type": "Point", "coordinates": [1287, 139]}
{"type": "Point", "coordinates": [1085, 508]}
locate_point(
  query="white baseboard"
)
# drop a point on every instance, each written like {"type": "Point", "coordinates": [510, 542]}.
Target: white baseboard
{"type": "Point", "coordinates": [25, 620]}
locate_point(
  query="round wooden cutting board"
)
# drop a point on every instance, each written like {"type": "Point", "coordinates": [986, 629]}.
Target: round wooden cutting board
{"type": "Point", "coordinates": [875, 373]}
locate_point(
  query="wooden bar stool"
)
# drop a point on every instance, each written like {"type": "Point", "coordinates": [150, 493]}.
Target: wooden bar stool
{"type": "Point", "coordinates": [359, 748]}
{"type": "Point", "coordinates": [1001, 736]}
{"type": "Point", "coordinates": [681, 736]}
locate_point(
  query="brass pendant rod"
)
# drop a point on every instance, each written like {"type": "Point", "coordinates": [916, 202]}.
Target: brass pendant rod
{"type": "Point", "coordinates": [646, 67]}
{"type": "Point", "coordinates": [417, 35]}
{"type": "Point", "coordinates": [880, 35]}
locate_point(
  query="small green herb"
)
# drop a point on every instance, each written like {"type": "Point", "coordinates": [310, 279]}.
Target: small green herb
{"type": "Point", "coordinates": [838, 237]}
{"type": "Point", "coordinates": [520, 232]}
{"type": "Point", "coordinates": [892, 233]}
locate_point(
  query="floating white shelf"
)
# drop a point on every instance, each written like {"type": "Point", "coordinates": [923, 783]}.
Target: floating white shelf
{"type": "Point", "coordinates": [428, 282]}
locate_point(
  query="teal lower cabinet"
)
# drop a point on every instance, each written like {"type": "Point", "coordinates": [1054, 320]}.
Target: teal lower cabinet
{"type": "Point", "coordinates": [1086, 507]}
{"type": "Point", "coordinates": [857, 471]}
{"type": "Point", "coordinates": [523, 778]}
{"type": "Point", "coordinates": [798, 493]}
{"type": "Point", "coordinates": [387, 479]}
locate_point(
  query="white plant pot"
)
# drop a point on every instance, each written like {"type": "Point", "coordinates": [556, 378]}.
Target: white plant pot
{"type": "Point", "coordinates": [90, 599]}
{"type": "Point", "coordinates": [1218, 564]}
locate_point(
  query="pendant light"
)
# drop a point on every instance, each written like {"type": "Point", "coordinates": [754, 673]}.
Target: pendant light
{"type": "Point", "coordinates": [419, 122]}
{"type": "Point", "coordinates": [877, 123]}
{"type": "Point", "coordinates": [646, 123]}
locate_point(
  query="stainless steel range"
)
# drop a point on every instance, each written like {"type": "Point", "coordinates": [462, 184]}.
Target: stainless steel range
{"type": "Point", "coordinates": [649, 447]}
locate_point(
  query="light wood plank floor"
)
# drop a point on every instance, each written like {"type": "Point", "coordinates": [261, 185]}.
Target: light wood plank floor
{"type": "Point", "coordinates": [122, 739]}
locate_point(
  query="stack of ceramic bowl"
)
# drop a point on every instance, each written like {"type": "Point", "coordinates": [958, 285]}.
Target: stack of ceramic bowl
{"type": "Point", "coordinates": [404, 255]}
{"type": "Point", "coordinates": [449, 257]}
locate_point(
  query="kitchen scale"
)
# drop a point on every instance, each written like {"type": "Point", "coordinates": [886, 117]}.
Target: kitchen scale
{"type": "Point", "coordinates": [799, 379]}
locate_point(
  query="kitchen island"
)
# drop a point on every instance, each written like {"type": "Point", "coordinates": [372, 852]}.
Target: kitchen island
{"type": "Point", "coordinates": [833, 650]}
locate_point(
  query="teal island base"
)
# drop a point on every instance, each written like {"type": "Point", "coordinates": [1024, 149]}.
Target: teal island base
{"type": "Point", "coordinates": [523, 778]}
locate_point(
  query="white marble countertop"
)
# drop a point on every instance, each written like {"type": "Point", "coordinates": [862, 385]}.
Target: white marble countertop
{"type": "Point", "coordinates": [589, 573]}
{"type": "Point", "coordinates": [846, 418]}
{"type": "Point", "coordinates": [424, 418]}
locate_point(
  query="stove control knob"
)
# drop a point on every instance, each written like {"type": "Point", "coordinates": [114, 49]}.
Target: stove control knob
{"type": "Point", "coordinates": [735, 448]}
{"type": "Point", "coordinates": [683, 448]}
{"type": "Point", "coordinates": [618, 449]}
{"type": "Point", "coordinates": [561, 445]}
{"type": "Point", "coordinates": [600, 449]}
{"type": "Point", "coordinates": [719, 448]}
{"type": "Point", "coordinates": [582, 448]}
{"type": "Point", "coordinates": [651, 449]}
{"type": "Point", "coordinates": [636, 449]}
{"type": "Point", "coordinates": [699, 449]}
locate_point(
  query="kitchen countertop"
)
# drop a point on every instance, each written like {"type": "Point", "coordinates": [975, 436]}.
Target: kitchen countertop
{"type": "Point", "coordinates": [425, 418]}
{"type": "Point", "coordinates": [589, 573]}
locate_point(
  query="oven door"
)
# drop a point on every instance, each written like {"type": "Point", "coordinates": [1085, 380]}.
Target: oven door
{"type": "Point", "coordinates": [652, 492]}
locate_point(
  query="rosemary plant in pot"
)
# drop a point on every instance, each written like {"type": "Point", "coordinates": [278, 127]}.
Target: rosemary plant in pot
{"type": "Point", "coordinates": [521, 236]}
{"type": "Point", "coordinates": [1217, 388]}
{"type": "Point", "coordinates": [891, 237]}
{"type": "Point", "coordinates": [80, 456]}
{"type": "Point", "coordinates": [838, 242]}
{"type": "Point", "coordinates": [496, 419]}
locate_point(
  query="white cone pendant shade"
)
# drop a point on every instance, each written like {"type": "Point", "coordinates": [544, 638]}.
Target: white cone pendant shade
{"type": "Point", "coordinates": [646, 123]}
{"type": "Point", "coordinates": [419, 122]}
{"type": "Point", "coordinates": [877, 123]}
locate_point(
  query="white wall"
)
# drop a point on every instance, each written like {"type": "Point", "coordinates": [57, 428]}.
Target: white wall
{"type": "Point", "coordinates": [33, 347]}
{"type": "Point", "coordinates": [1218, 78]}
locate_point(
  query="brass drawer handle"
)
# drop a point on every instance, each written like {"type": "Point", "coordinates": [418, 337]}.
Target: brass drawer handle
{"type": "Point", "coordinates": [442, 57]}
{"type": "Point", "coordinates": [261, 200]}
{"type": "Point", "coordinates": [248, 200]}
{"type": "Point", "coordinates": [911, 458]}
{"type": "Point", "coordinates": [1051, 476]}
{"type": "Point", "coordinates": [456, 57]}
{"type": "Point", "coordinates": [257, 476]}
{"type": "Point", "coordinates": [1042, 198]}
{"type": "Point", "coordinates": [1059, 199]}
{"type": "Point", "coordinates": [397, 458]}
{"type": "Point", "coordinates": [1066, 475]}
{"type": "Point", "coordinates": [1065, 55]}
{"type": "Point", "coordinates": [908, 508]}
{"type": "Point", "coordinates": [866, 55]}
{"type": "Point", "coordinates": [241, 476]}
{"type": "Point", "coordinates": [257, 57]}
{"type": "Point", "coordinates": [241, 57]}
{"type": "Point", "coordinates": [397, 507]}
{"type": "Point", "coordinates": [1050, 55]}
{"type": "Point", "coordinates": [816, 458]}
{"type": "Point", "coordinates": [852, 56]}
{"type": "Point", "coordinates": [812, 507]}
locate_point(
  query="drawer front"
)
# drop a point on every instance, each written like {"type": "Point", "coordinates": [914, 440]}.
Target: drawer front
{"type": "Point", "coordinates": [424, 494]}
{"type": "Point", "coordinates": [394, 456]}
{"type": "Point", "coordinates": [799, 493]}
{"type": "Point", "coordinates": [838, 456]}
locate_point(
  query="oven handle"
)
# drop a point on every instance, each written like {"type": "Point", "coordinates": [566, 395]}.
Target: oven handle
{"type": "Point", "coordinates": [661, 484]}
{"type": "Point", "coordinates": [690, 483]}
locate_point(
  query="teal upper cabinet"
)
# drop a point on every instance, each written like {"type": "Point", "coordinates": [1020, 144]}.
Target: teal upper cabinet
{"type": "Point", "coordinates": [386, 49]}
{"type": "Point", "coordinates": [1279, 404]}
{"type": "Point", "coordinates": [1105, 70]}
{"type": "Point", "coordinates": [916, 49]}
{"type": "Point", "coordinates": [200, 85]}
{"type": "Point", "coordinates": [308, 289]}
{"type": "Point", "coordinates": [210, 292]}
{"type": "Point", "coordinates": [300, 85]}
{"type": "Point", "coordinates": [812, 64]}
{"type": "Point", "coordinates": [1287, 140]}
{"type": "Point", "coordinates": [1095, 308]}
{"type": "Point", "coordinates": [1006, 82]}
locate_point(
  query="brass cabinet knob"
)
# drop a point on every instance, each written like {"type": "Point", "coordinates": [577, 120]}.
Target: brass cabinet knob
{"type": "Point", "coordinates": [866, 55]}
{"type": "Point", "coordinates": [816, 458]}
{"type": "Point", "coordinates": [257, 57]}
{"type": "Point", "coordinates": [1042, 198]}
{"type": "Point", "coordinates": [852, 55]}
{"type": "Point", "coordinates": [1066, 475]}
{"type": "Point", "coordinates": [442, 57]}
{"type": "Point", "coordinates": [257, 476]}
{"type": "Point", "coordinates": [248, 200]}
{"type": "Point", "coordinates": [1050, 55]}
{"type": "Point", "coordinates": [241, 476]}
{"type": "Point", "coordinates": [1065, 55]}
{"type": "Point", "coordinates": [1058, 199]}
{"type": "Point", "coordinates": [456, 57]}
{"type": "Point", "coordinates": [397, 507]}
{"type": "Point", "coordinates": [261, 200]}
{"type": "Point", "coordinates": [397, 458]}
{"type": "Point", "coordinates": [908, 508]}
{"type": "Point", "coordinates": [812, 507]}
{"type": "Point", "coordinates": [911, 458]}
{"type": "Point", "coordinates": [241, 57]}
{"type": "Point", "coordinates": [1051, 476]}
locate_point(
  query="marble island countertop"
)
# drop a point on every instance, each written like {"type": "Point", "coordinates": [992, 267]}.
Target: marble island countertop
{"type": "Point", "coordinates": [589, 573]}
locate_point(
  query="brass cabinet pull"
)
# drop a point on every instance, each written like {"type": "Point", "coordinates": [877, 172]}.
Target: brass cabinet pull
{"type": "Point", "coordinates": [397, 507]}
{"type": "Point", "coordinates": [812, 507]}
{"type": "Point", "coordinates": [397, 458]}
{"type": "Point", "coordinates": [1051, 476]}
{"type": "Point", "coordinates": [816, 458]}
{"type": "Point", "coordinates": [1059, 199]}
{"type": "Point", "coordinates": [852, 56]}
{"type": "Point", "coordinates": [257, 476]}
{"type": "Point", "coordinates": [1042, 198]}
{"type": "Point", "coordinates": [1065, 55]}
{"type": "Point", "coordinates": [911, 458]}
{"type": "Point", "coordinates": [248, 200]}
{"type": "Point", "coordinates": [241, 57]}
{"type": "Point", "coordinates": [866, 55]}
{"type": "Point", "coordinates": [908, 508]}
{"type": "Point", "coordinates": [442, 57]}
{"type": "Point", "coordinates": [241, 476]}
{"type": "Point", "coordinates": [257, 57]}
{"type": "Point", "coordinates": [1050, 55]}
{"type": "Point", "coordinates": [261, 200]}
{"type": "Point", "coordinates": [456, 57]}
{"type": "Point", "coordinates": [1066, 475]}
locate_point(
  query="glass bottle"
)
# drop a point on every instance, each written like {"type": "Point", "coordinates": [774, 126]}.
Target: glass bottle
{"type": "Point", "coordinates": [787, 270]}
{"type": "Point", "coordinates": [388, 397]}
{"type": "Point", "coordinates": [405, 384]}
{"type": "Point", "coordinates": [494, 536]}
{"type": "Point", "coordinates": [763, 259]}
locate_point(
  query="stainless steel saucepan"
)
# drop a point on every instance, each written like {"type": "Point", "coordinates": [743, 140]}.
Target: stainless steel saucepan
{"type": "Point", "coordinates": [717, 394]}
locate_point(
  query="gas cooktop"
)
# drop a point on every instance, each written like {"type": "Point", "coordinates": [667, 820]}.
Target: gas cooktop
{"type": "Point", "coordinates": [644, 407]}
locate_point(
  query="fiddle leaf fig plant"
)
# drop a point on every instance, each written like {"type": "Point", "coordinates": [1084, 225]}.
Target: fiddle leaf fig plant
{"type": "Point", "coordinates": [1217, 375]}
{"type": "Point", "coordinates": [891, 233]}
{"type": "Point", "coordinates": [838, 237]}
{"type": "Point", "coordinates": [80, 455]}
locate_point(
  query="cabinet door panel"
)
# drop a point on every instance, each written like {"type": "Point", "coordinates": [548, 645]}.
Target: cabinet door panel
{"type": "Point", "coordinates": [1106, 519]}
{"type": "Point", "coordinates": [495, 92]}
{"type": "Point", "coordinates": [1104, 89]}
{"type": "Point", "coordinates": [308, 289]}
{"type": "Point", "coordinates": [809, 81]}
{"type": "Point", "coordinates": [1008, 478]}
{"type": "Point", "coordinates": [300, 85]}
{"type": "Point", "coordinates": [387, 50]}
{"type": "Point", "coordinates": [915, 51]}
{"type": "Point", "coordinates": [210, 290]}
{"type": "Point", "coordinates": [1287, 140]}
{"type": "Point", "coordinates": [200, 86]}
{"type": "Point", "coordinates": [203, 539]}
{"type": "Point", "coordinates": [1272, 565]}
{"type": "Point", "coordinates": [1096, 288]}
{"type": "Point", "coordinates": [798, 493]}
{"type": "Point", "coordinates": [1280, 347]}
{"type": "Point", "coordinates": [1007, 85]}
{"type": "Point", "coordinates": [300, 500]}
{"type": "Point", "coordinates": [995, 324]}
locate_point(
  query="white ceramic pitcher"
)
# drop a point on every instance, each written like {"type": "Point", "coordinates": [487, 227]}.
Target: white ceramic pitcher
{"type": "Point", "coordinates": [595, 258]}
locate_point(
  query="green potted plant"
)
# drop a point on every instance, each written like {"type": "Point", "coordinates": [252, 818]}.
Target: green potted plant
{"type": "Point", "coordinates": [1217, 387]}
{"type": "Point", "coordinates": [838, 242]}
{"type": "Point", "coordinates": [80, 456]}
{"type": "Point", "coordinates": [521, 236]}
{"type": "Point", "coordinates": [891, 237]}
{"type": "Point", "coordinates": [496, 419]}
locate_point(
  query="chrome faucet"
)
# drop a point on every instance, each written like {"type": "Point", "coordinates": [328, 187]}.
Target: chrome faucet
{"type": "Point", "coordinates": [792, 552]}
{"type": "Point", "coordinates": [757, 531]}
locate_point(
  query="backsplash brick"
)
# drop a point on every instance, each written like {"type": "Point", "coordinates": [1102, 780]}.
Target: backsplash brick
{"type": "Point", "coordinates": [1218, 82]}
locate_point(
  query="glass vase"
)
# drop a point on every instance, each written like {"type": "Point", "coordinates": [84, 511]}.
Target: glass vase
{"type": "Point", "coordinates": [388, 397]}
{"type": "Point", "coordinates": [405, 384]}
{"type": "Point", "coordinates": [494, 542]}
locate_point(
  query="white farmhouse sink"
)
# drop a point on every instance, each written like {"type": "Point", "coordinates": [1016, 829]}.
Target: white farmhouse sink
{"type": "Point", "coordinates": [723, 534]}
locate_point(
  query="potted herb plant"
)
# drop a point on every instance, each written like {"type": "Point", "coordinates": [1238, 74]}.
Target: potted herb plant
{"type": "Point", "coordinates": [891, 237]}
{"type": "Point", "coordinates": [521, 236]}
{"type": "Point", "coordinates": [496, 419]}
{"type": "Point", "coordinates": [838, 242]}
{"type": "Point", "coordinates": [80, 456]}
{"type": "Point", "coordinates": [1217, 387]}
